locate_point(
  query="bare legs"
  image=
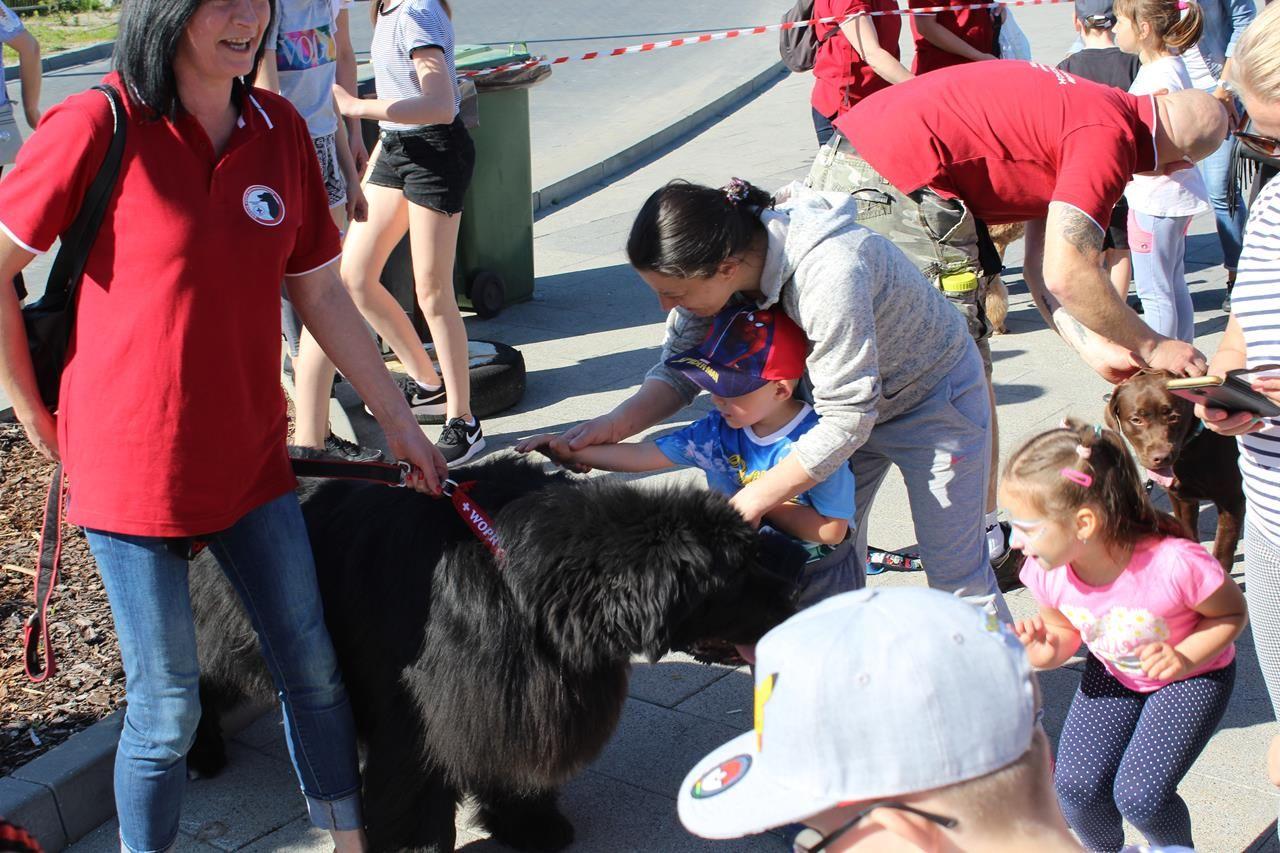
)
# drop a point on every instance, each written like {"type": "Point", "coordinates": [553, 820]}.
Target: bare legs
{"type": "Point", "coordinates": [313, 375]}
{"type": "Point", "coordinates": [368, 246]}
{"type": "Point", "coordinates": [433, 242]}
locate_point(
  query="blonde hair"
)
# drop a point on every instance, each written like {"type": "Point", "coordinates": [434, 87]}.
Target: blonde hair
{"type": "Point", "coordinates": [1177, 23]}
{"type": "Point", "coordinates": [1255, 65]}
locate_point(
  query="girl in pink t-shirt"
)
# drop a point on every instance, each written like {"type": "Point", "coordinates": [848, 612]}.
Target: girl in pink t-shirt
{"type": "Point", "coordinates": [1155, 610]}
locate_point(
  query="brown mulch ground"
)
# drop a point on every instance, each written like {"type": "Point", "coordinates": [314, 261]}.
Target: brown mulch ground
{"type": "Point", "coordinates": [89, 683]}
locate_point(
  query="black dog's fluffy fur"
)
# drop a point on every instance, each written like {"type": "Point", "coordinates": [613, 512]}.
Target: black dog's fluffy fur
{"type": "Point", "coordinates": [467, 678]}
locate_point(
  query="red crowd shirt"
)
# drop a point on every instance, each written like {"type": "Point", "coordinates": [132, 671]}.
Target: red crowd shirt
{"type": "Point", "coordinates": [172, 418]}
{"type": "Point", "coordinates": [1048, 136]}
{"type": "Point", "coordinates": [841, 76]}
{"type": "Point", "coordinates": [975, 26]}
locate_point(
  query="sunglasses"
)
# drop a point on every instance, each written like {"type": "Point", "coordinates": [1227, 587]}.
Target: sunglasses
{"type": "Point", "coordinates": [812, 841]}
{"type": "Point", "coordinates": [1267, 146]}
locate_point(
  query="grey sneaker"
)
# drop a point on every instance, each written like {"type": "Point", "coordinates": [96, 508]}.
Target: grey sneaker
{"type": "Point", "coordinates": [460, 441]}
{"type": "Point", "coordinates": [348, 451]}
{"type": "Point", "coordinates": [421, 402]}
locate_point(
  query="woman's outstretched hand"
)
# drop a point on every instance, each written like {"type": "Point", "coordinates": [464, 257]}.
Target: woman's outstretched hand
{"type": "Point", "coordinates": [601, 430]}
{"type": "Point", "coordinates": [546, 444]}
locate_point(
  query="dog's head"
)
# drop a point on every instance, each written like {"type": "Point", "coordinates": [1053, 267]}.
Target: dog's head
{"type": "Point", "coordinates": [610, 570]}
{"type": "Point", "coordinates": [1156, 422]}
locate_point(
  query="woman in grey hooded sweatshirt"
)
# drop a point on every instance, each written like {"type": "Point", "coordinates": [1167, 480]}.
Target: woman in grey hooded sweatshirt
{"type": "Point", "coordinates": [896, 377]}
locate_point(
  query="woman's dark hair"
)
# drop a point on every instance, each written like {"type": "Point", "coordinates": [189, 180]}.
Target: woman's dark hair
{"type": "Point", "coordinates": [686, 230]}
{"type": "Point", "coordinates": [150, 31]}
{"type": "Point", "coordinates": [1115, 490]}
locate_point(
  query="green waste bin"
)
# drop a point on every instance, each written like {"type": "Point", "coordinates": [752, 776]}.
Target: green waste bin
{"type": "Point", "coordinates": [495, 245]}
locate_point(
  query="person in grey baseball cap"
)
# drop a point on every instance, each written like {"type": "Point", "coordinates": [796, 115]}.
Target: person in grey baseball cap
{"type": "Point", "coordinates": [887, 719]}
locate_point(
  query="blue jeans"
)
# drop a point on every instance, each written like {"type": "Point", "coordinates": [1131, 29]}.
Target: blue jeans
{"type": "Point", "coordinates": [267, 558]}
{"type": "Point", "coordinates": [1158, 245]}
{"type": "Point", "coordinates": [1216, 171]}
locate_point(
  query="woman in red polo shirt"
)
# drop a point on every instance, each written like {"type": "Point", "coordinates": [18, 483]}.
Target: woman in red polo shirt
{"type": "Point", "coordinates": [172, 420]}
{"type": "Point", "coordinates": [861, 58]}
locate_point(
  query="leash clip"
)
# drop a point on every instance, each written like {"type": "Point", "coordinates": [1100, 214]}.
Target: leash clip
{"type": "Point", "coordinates": [405, 470]}
{"type": "Point", "coordinates": [448, 487]}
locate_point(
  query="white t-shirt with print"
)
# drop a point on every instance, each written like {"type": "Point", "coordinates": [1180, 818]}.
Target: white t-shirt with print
{"type": "Point", "coordinates": [304, 37]}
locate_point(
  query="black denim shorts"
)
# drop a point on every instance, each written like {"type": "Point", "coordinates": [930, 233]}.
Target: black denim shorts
{"type": "Point", "coordinates": [431, 164]}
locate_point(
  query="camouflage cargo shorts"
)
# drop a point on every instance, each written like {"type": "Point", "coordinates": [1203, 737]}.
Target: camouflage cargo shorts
{"type": "Point", "coordinates": [939, 235]}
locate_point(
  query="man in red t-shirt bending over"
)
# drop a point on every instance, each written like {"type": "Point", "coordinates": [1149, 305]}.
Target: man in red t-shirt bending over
{"type": "Point", "coordinates": [929, 155]}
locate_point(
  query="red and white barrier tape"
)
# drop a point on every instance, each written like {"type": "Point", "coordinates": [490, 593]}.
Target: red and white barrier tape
{"type": "Point", "coordinates": [753, 31]}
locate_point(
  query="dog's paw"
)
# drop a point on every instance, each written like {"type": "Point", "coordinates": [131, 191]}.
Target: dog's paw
{"type": "Point", "coordinates": [541, 831]}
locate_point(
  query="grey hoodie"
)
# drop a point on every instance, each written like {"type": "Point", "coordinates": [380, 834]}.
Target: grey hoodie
{"type": "Point", "coordinates": [880, 335]}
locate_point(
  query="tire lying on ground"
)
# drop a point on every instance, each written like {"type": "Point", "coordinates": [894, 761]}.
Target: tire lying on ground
{"type": "Point", "coordinates": [497, 378]}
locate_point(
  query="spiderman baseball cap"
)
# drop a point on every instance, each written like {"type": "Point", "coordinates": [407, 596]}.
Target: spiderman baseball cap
{"type": "Point", "coordinates": [747, 348]}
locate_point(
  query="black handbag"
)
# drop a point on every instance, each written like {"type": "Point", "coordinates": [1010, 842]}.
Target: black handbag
{"type": "Point", "coordinates": [49, 319]}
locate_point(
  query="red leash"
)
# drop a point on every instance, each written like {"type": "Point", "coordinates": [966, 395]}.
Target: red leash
{"type": "Point", "coordinates": [38, 654]}
{"type": "Point", "coordinates": [475, 517]}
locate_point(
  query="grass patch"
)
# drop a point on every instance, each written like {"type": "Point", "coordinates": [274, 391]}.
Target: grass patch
{"type": "Point", "coordinates": [58, 31]}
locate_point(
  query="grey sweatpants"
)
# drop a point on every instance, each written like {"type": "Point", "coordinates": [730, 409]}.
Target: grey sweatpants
{"type": "Point", "coordinates": [943, 449]}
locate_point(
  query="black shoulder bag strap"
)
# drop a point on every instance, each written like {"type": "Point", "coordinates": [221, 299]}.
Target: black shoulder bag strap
{"type": "Point", "coordinates": [64, 279]}
{"type": "Point", "coordinates": [68, 266]}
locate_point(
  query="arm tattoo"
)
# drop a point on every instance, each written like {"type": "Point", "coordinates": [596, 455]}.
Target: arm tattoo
{"type": "Point", "coordinates": [1081, 231]}
{"type": "Point", "coordinates": [1070, 328]}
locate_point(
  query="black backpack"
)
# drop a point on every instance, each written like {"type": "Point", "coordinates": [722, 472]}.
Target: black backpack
{"type": "Point", "coordinates": [798, 46]}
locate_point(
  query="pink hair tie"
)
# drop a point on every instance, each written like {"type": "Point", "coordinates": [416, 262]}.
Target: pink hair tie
{"type": "Point", "coordinates": [1080, 478]}
{"type": "Point", "coordinates": [1184, 6]}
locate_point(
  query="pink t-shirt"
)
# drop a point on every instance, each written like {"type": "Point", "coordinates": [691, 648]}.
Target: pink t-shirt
{"type": "Point", "coordinates": [1151, 602]}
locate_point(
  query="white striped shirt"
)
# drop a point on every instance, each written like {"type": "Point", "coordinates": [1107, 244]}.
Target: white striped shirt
{"type": "Point", "coordinates": [1255, 302]}
{"type": "Point", "coordinates": [399, 31]}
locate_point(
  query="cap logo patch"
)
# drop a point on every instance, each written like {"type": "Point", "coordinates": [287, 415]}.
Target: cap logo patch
{"type": "Point", "coordinates": [264, 205]}
{"type": "Point", "coordinates": [764, 692]}
{"type": "Point", "coordinates": [722, 777]}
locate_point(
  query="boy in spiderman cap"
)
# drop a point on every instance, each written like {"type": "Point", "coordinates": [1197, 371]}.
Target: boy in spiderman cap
{"type": "Point", "coordinates": [750, 362]}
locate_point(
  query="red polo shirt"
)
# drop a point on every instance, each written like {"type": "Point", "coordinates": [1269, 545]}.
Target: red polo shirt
{"type": "Point", "coordinates": [172, 419]}
{"type": "Point", "coordinates": [841, 76]}
{"type": "Point", "coordinates": [1048, 136]}
{"type": "Point", "coordinates": [974, 26]}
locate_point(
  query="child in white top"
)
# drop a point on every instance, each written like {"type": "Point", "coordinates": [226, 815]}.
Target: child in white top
{"type": "Point", "coordinates": [1161, 206]}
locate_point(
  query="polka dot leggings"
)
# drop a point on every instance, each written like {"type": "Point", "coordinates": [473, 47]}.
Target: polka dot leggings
{"type": "Point", "coordinates": [1123, 753]}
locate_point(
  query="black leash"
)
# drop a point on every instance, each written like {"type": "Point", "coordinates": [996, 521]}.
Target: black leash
{"type": "Point", "coordinates": [38, 653]}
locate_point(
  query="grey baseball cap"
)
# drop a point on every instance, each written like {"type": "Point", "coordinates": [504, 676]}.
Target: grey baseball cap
{"type": "Point", "coordinates": [1096, 13]}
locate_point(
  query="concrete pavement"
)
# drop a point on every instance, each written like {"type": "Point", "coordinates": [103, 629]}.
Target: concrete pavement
{"type": "Point", "coordinates": [588, 336]}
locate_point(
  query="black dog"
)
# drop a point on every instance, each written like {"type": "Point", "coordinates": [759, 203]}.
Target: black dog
{"type": "Point", "coordinates": [1191, 463]}
{"type": "Point", "coordinates": [497, 681]}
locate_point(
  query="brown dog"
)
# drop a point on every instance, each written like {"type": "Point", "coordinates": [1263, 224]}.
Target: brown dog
{"type": "Point", "coordinates": [1192, 463]}
{"type": "Point", "coordinates": [994, 294]}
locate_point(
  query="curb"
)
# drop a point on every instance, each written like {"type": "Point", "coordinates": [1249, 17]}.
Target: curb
{"type": "Point", "coordinates": [554, 194]}
{"type": "Point", "coordinates": [67, 58]}
{"type": "Point", "coordinates": [65, 794]}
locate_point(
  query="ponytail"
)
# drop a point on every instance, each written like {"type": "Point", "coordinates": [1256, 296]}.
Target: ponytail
{"type": "Point", "coordinates": [687, 230]}
{"type": "Point", "coordinates": [1186, 32]}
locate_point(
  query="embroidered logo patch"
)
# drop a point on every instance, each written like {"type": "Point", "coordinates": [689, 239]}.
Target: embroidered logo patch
{"type": "Point", "coordinates": [722, 777]}
{"type": "Point", "coordinates": [264, 205]}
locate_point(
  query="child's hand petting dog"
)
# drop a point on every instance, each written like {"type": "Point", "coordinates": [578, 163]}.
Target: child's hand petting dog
{"type": "Point", "coordinates": [543, 444]}
{"type": "Point", "coordinates": [1041, 643]}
